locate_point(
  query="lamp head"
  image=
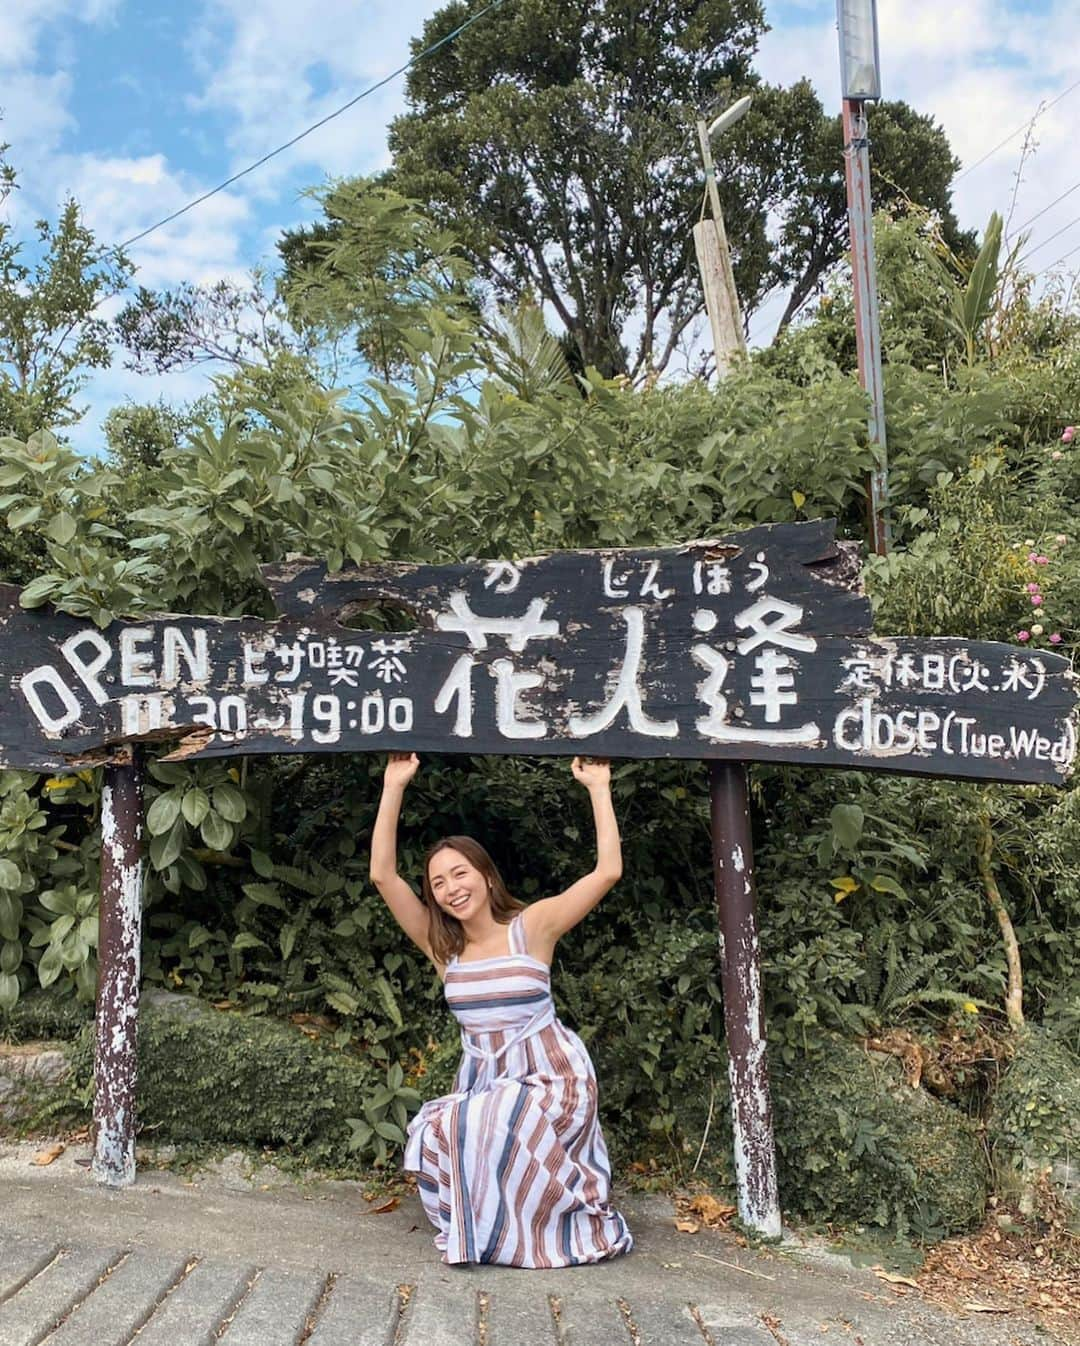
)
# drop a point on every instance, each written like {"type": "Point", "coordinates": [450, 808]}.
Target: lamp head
{"type": "Point", "coordinates": [731, 116]}
{"type": "Point", "coordinates": [860, 68]}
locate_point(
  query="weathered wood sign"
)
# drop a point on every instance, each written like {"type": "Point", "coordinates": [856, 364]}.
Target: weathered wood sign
{"type": "Point", "coordinates": [749, 647]}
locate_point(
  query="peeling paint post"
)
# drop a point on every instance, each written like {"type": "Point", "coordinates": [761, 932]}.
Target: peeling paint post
{"type": "Point", "coordinates": [744, 1016]}
{"type": "Point", "coordinates": [120, 932]}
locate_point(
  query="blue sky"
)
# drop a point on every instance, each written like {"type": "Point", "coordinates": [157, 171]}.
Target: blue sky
{"type": "Point", "coordinates": [136, 108]}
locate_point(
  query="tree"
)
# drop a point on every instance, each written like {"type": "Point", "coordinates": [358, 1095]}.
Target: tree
{"type": "Point", "coordinates": [366, 273]}
{"type": "Point", "coordinates": [51, 331]}
{"type": "Point", "coordinates": [910, 162]}
{"type": "Point", "coordinates": [556, 139]}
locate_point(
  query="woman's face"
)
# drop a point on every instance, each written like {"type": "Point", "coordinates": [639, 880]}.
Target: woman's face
{"type": "Point", "coordinates": [456, 884]}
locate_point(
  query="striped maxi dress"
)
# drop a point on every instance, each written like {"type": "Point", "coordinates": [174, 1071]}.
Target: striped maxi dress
{"type": "Point", "coordinates": [512, 1166]}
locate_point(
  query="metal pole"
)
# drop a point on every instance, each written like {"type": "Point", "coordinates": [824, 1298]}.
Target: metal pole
{"type": "Point", "coordinates": [120, 931]}
{"type": "Point", "coordinates": [867, 321]}
{"type": "Point", "coordinates": [744, 1015]}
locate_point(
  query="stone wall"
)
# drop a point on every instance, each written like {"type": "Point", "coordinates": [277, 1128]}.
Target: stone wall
{"type": "Point", "coordinates": [26, 1071]}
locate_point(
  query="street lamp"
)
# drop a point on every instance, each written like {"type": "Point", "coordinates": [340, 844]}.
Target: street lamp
{"type": "Point", "coordinates": [860, 72]}
{"type": "Point", "coordinates": [861, 83]}
{"type": "Point", "coordinates": [711, 246]}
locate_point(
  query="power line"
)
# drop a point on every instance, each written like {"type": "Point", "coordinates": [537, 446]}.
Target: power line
{"type": "Point", "coordinates": [1038, 216]}
{"type": "Point", "coordinates": [315, 126]}
{"type": "Point", "coordinates": [1064, 229]}
{"type": "Point", "coordinates": [1013, 134]}
{"type": "Point", "coordinates": [1065, 258]}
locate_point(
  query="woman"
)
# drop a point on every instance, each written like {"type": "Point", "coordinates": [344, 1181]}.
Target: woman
{"type": "Point", "coordinates": [511, 1166]}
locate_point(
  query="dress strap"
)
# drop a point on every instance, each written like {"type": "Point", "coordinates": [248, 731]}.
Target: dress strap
{"type": "Point", "coordinates": [517, 934]}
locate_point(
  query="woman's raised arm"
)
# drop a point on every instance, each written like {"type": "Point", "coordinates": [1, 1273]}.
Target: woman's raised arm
{"type": "Point", "coordinates": [406, 908]}
{"type": "Point", "coordinates": [552, 917]}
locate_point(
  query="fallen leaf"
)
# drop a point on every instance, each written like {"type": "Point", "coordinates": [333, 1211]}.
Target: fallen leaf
{"type": "Point", "coordinates": [894, 1278]}
{"type": "Point", "coordinates": [687, 1226]}
{"type": "Point", "coordinates": [713, 1212]}
{"type": "Point", "coordinates": [391, 1203]}
{"type": "Point", "coordinates": [973, 1306]}
{"type": "Point", "coordinates": [44, 1157]}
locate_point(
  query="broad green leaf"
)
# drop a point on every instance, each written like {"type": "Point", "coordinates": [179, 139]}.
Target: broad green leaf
{"type": "Point", "coordinates": [246, 940]}
{"type": "Point", "coordinates": [847, 825]}
{"type": "Point", "coordinates": [10, 875]}
{"type": "Point", "coordinates": [230, 803]}
{"type": "Point", "coordinates": [195, 805]}
{"type": "Point", "coordinates": [11, 912]}
{"type": "Point", "coordinates": [62, 528]}
{"type": "Point", "coordinates": [163, 812]}
{"type": "Point", "coordinates": [169, 773]}
{"type": "Point", "coordinates": [216, 832]}
{"type": "Point", "coordinates": [262, 864]}
{"type": "Point", "coordinates": [38, 591]}
{"type": "Point", "coordinates": [23, 517]}
{"type": "Point", "coordinates": [9, 991]}
{"type": "Point", "coordinates": [50, 965]}
{"type": "Point", "coordinates": [165, 849]}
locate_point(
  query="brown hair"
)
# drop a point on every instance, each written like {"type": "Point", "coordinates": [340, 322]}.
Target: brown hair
{"type": "Point", "coordinates": [445, 934]}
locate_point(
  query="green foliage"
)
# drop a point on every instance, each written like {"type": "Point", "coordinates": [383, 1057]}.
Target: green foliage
{"type": "Point", "coordinates": [375, 269]}
{"type": "Point", "coordinates": [386, 1114]}
{"type": "Point", "coordinates": [856, 1144]}
{"type": "Point", "coordinates": [479, 440]}
{"type": "Point", "coordinates": [212, 1078]}
{"type": "Point", "coordinates": [43, 1016]}
{"type": "Point", "coordinates": [54, 498]}
{"type": "Point", "coordinates": [51, 333]}
{"type": "Point", "coordinates": [558, 142]}
{"type": "Point", "coordinates": [29, 858]}
{"type": "Point", "coordinates": [1035, 1117]}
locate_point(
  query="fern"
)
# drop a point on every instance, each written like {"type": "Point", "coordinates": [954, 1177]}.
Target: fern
{"type": "Point", "coordinates": [932, 996]}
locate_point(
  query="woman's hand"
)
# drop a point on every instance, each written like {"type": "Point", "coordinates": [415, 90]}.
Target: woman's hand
{"type": "Point", "coordinates": [592, 772]}
{"type": "Point", "coordinates": [401, 767]}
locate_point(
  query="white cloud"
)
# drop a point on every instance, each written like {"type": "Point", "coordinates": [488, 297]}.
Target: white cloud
{"type": "Point", "coordinates": [269, 72]}
{"type": "Point", "coordinates": [121, 197]}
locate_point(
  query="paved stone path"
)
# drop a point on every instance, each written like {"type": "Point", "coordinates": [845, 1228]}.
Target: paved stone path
{"type": "Point", "coordinates": [232, 1259]}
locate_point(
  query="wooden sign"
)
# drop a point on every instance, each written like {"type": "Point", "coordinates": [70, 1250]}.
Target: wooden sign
{"type": "Point", "coordinates": [753, 646]}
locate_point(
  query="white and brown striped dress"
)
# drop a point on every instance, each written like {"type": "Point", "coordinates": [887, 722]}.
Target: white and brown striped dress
{"type": "Point", "coordinates": [512, 1166]}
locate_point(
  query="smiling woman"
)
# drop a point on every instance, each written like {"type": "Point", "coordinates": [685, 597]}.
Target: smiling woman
{"type": "Point", "coordinates": [511, 1166]}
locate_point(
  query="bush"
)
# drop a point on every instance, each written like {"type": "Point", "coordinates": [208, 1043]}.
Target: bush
{"type": "Point", "coordinates": [1035, 1117]}
{"type": "Point", "coordinates": [43, 1016]}
{"type": "Point", "coordinates": [858, 1145]}
{"type": "Point", "coordinates": [211, 1078]}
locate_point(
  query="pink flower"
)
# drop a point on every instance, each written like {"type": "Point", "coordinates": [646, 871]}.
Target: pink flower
{"type": "Point", "coordinates": [1036, 600]}
{"type": "Point", "coordinates": [1023, 635]}
{"type": "Point", "coordinates": [1033, 557]}
{"type": "Point", "coordinates": [1032, 588]}
{"type": "Point", "coordinates": [1042, 560]}
{"type": "Point", "coordinates": [1068, 434]}
{"type": "Point", "coordinates": [1055, 639]}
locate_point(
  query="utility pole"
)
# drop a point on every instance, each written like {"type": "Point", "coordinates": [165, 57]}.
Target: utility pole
{"type": "Point", "coordinates": [861, 80]}
{"type": "Point", "coordinates": [713, 255]}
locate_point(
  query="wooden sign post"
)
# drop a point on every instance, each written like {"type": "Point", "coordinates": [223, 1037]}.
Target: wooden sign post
{"type": "Point", "coordinates": [750, 647]}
